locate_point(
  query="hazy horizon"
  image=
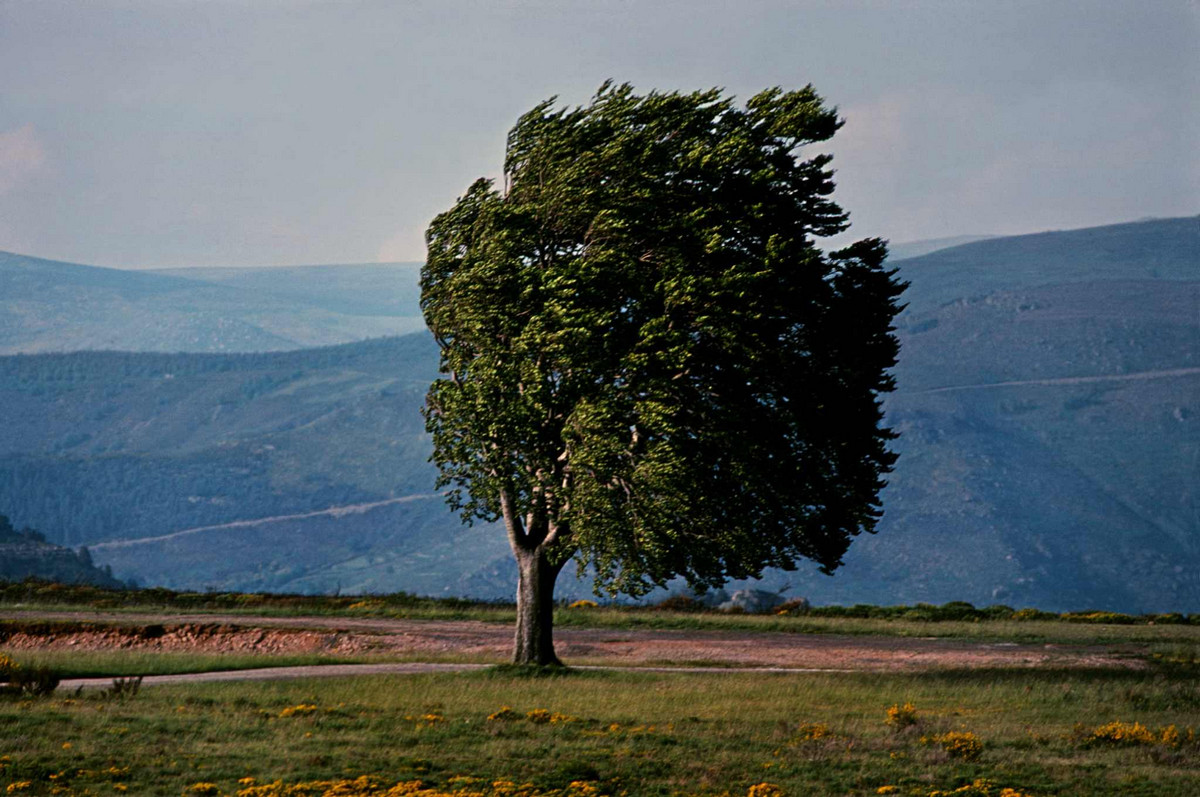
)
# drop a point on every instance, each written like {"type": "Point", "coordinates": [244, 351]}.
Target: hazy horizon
{"type": "Point", "coordinates": [898, 250]}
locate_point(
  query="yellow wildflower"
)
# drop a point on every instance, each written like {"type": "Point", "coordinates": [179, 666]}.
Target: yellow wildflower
{"type": "Point", "coordinates": [764, 790]}
{"type": "Point", "coordinates": [1122, 734]}
{"type": "Point", "coordinates": [301, 710]}
{"type": "Point", "coordinates": [899, 716]}
{"type": "Point", "coordinates": [958, 744]}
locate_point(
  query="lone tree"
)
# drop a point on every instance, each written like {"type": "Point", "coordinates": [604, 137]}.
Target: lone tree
{"type": "Point", "coordinates": [649, 366]}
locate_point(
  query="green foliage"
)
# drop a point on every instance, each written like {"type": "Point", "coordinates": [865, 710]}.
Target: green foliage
{"type": "Point", "coordinates": [649, 363]}
{"type": "Point", "coordinates": [18, 679]}
{"type": "Point", "coordinates": [125, 688]}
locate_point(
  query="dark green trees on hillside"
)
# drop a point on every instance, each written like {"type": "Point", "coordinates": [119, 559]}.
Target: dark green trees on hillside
{"type": "Point", "coordinates": [26, 554]}
{"type": "Point", "coordinates": [649, 366]}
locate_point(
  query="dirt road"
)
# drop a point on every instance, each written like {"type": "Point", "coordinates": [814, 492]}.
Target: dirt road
{"type": "Point", "coordinates": [480, 642]}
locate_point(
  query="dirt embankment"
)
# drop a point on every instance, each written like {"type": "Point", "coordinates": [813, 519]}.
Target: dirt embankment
{"type": "Point", "coordinates": [187, 637]}
{"type": "Point", "coordinates": [477, 641]}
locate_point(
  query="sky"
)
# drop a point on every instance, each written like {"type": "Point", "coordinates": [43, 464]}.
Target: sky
{"type": "Point", "coordinates": [169, 133]}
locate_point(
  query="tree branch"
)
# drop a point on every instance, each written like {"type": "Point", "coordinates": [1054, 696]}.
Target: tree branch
{"type": "Point", "coordinates": [518, 538]}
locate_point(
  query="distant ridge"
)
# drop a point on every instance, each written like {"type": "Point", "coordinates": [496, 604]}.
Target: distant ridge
{"type": "Point", "coordinates": [364, 289]}
{"type": "Point", "coordinates": [1158, 249]}
{"type": "Point", "coordinates": [47, 306]}
{"type": "Point", "coordinates": [907, 249]}
{"type": "Point", "coordinates": [1048, 403]}
{"type": "Point", "coordinates": [24, 277]}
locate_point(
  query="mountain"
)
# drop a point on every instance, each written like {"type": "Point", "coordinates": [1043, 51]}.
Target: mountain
{"type": "Point", "coordinates": [1048, 402]}
{"type": "Point", "coordinates": [1048, 390]}
{"type": "Point", "coordinates": [48, 306]}
{"type": "Point", "coordinates": [1157, 250]}
{"type": "Point", "coordinates": [906, 249]}
{"type": "Point", "coordinates": [368, 289]}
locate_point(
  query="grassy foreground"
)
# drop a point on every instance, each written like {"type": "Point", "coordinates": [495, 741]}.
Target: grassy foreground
{"type": "Point", "coordinates": [126, 663]}
{"type": "Point", "coordinates": [580, 735]}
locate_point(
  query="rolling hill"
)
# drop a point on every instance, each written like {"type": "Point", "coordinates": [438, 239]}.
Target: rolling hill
{"type": "Point", "coordinates": [1048, 399]}
{"type": "Point", "coordinates": [49, 306]}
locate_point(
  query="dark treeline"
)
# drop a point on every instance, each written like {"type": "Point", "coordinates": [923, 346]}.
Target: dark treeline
{"type": "Point", "coordinates": [25, 554]}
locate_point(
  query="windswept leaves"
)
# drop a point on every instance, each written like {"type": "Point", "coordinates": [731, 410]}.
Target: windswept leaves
{"type": "Point", "coordinates": [645, 349]}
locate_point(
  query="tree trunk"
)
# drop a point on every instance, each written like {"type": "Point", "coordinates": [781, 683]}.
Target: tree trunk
{"type": "Point", "coordinates": [534, 641]}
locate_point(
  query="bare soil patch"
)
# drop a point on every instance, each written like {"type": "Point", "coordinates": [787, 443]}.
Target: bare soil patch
{"type": "Point", "coordinates": [186, 637]}
{"type": "Point", "coordinates": [473, 640]}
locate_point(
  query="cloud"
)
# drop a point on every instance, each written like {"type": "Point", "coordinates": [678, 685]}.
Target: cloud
{"type": "Point", "coordinates": [21, 154]}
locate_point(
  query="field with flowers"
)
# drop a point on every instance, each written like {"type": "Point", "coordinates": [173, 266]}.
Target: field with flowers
{"type": "Point", "coordinates": [504, 733]}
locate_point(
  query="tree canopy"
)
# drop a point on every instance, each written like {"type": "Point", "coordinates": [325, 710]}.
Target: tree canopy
{"type": "Point", "coordinates": [649, 364]}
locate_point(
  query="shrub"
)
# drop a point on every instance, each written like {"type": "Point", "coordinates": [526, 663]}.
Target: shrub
{"type": "Point", "coordinates": [8, 666]}
{"type": "Point", "coordinates": [1033, 614]}
{"type": "Point", "coordinates": [122, 689]}
{"type": "Point", "coordinates": [979, 788]}
{"type": "Point", "coordinates": [900, 717]}
{"type": "Point", "coordinates": [541, 716]}
{"type": "Point", "coordinates": [794, 607]}
{"type": "Point", "coordinates": [300, 710]}
{"type": "Point", "coordinates": [998, 612]}
{"type": "Point", "coordinates": [35, 681]}
{"type": "Point", "coordinates": [812, 731]}
{"type": "Point", "coordinates": [1133, 734]}
{"type": "Point", "coordinates": [680, 603]}
{"type": "Point", "coordinates": [1106, 618]}
{"type": "Point", "coordinates": [959, 610]}
{"type": "Point", "coordinates": [1121, 734]}
{"type": "Point", "coordinates": [764, 790]}
{"type": "Point", "coordinates": [962, 745]}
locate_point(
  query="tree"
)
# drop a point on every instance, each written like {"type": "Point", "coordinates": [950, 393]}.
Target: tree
{"type": "Point", "coordinates": [649, 366]}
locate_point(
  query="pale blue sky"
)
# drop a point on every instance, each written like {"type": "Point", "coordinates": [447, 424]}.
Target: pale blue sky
{"type": "Point", "coordinates": [174, 133]}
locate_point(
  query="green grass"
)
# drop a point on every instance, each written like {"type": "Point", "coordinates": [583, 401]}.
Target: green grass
{"type": "Point", "coordinates": [124, 663]}
{"type": "Point", "coordinates": [1033, 631]}
{"type": "Point", "coordinates": [634, 733]}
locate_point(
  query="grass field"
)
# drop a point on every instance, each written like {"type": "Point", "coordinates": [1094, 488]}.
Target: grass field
{"type": "Point", "coordinates": [1035, 732]}
{"type": "Point", "coordinates": [503, 733]}
{"type": "Point", "coordinates": [125, 663]}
